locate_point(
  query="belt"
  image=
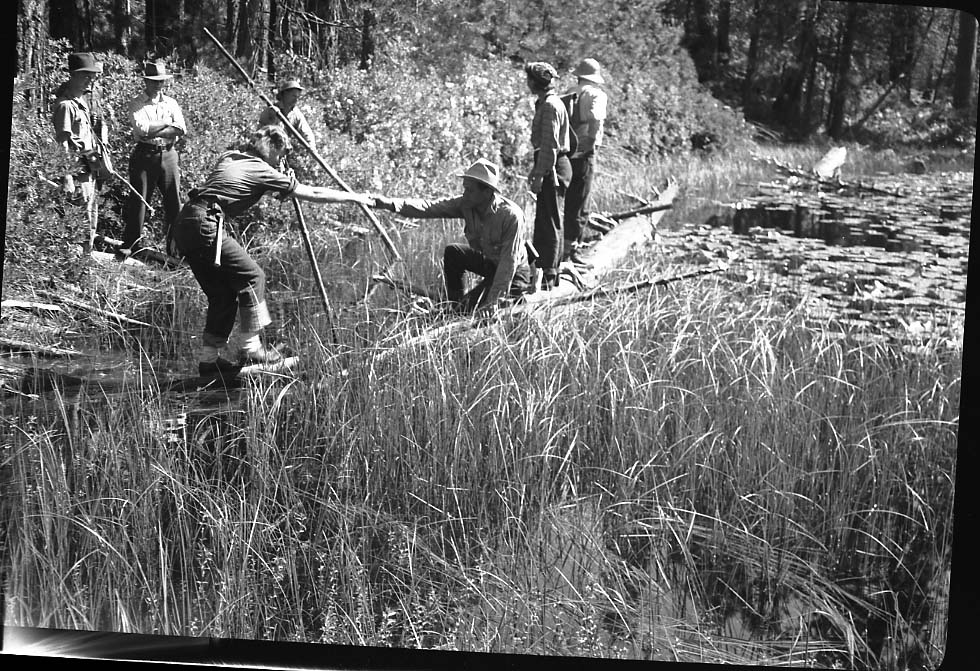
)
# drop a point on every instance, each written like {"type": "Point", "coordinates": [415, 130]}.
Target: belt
{"type": "Point", "coordinates": [154, 148]}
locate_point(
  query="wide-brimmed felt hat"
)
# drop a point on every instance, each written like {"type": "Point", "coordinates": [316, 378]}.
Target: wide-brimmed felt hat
{"type": "Point", "coordinates": [289, 85]}
{"type": "Point", "coordinates": [483, 171]}
{"type": "Point", "coordinates": [588, 69]}
{"type": "Point", "coordinates": [157, 71]}
{"type": "Point", "coordinates": [83, 62]}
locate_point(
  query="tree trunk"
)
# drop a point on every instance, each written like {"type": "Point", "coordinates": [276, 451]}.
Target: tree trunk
{"type": "Point", "coordinates": [231, 21]}
{"type": "Point", "coordinates": [700, 39]}
{"type": "Point", "coordinates": [901, 44]}
{"type": "Point", "coordinates": [122, 21]}
{"type": "Point", "coordinates": [724, 31]}
{"type": "Point", "coordinates": [64, 20]}
{"type": "Point", "coordinates": [938, 81]}
{"type": "Point", "coordinates": [32, 32]}
{"type": "Point", "coordinates": [274, 39]}
{"type": "Point", "coordinates": [253, 35]}
{"type": "Point", "coordinates": [842, 76]}
{"type": "Point", "coordinates": [163, 27]}
{"type": "Point", "coordinates": [965, 72]}
{"type": "Point", "coordinates": [752, 57]}
{"type": "Point", "coordinates": [367, 40]}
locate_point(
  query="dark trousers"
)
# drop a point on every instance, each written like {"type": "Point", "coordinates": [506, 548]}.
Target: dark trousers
{"type": "Point", "coordinates": [577, 198]}
{"type": "Point", "coordinates": [151, 169]}
{"type": "Point", "coordinates": [457, 259]}
{"type": "Point", "coordinates": [547, 237]}
{"type": "Point", "coordinates": [238, 284]}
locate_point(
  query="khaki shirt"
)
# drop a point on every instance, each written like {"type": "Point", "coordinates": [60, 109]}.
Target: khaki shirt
{"type": "Point", "coordinates": [295, 117]}
{"type": "Point", "coordinates": [73, 123]}
{"type": "Point", "coordinates": [498, 232]}
{"type": "Point", "coordinates": [591, 106]}
{"type": "Point", "coordinates": [143, 110]}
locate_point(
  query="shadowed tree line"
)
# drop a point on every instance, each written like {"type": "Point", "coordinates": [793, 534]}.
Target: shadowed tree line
{"type": "Point", "coordinates": [800, 66]}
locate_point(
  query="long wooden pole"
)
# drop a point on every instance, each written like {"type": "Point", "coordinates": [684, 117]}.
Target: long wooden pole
{"type": "Point", "coordinates": [316, 268]}
{"type": "Point", "coordinates": [319, 159]}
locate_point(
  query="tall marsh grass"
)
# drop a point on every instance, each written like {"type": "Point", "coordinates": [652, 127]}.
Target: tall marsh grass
{"type": "Point", "coordinates": [695, 474]}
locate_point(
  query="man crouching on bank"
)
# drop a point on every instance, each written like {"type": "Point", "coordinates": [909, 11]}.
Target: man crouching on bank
{"type": "Point", "coordinates": [495, 233]}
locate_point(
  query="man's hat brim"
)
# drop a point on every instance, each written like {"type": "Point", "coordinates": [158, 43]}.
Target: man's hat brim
{"type": "Point", "coordinates": [493, 186]}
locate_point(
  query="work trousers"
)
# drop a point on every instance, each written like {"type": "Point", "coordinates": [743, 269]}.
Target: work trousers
{"type": "Point", "coordinates": [151, 168]}
{"type": "Point", "coordinates": [457, 259]}
{"type": "Point", "coordinates": [236, 286]}
{"type": "Point", "coordinates": [577, 199]}
{"type": "Point", "coordinates": [87, 196]}
{"type": "Point", "coordinates": [548, 236]}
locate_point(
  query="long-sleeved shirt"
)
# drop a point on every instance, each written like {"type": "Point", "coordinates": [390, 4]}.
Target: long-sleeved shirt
{"type": "Point", "coordinates": [591, 106]}
{"type": "Point", "coordinates": [549, 133]}
{"type": "Point", "coordinates": [498, 232]}
{"type": "Point", "coordinates": [294, 116]}
{"type": "Point", "coordinates": [144, 110]}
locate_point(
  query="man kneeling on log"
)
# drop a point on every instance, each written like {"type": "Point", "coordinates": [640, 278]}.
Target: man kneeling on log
{"type": "Point", "coordinates": [231, 280]}
{"type": "Point", "coordinates": [495, 231]}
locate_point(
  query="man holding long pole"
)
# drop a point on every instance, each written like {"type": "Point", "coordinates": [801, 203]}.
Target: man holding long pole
{"type": "Point", "coordinates": [234, 283]}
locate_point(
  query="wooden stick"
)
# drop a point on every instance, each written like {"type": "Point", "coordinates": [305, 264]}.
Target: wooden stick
{"type": "Point", "coordinates": [648, 209]}
{"type": "Point", "coordinates": [305, 231]}
{"type": "Point", "coordinates": [302, 140]}
{"type": "Point", "coordinates": [33, 348]}
{"type": "Point", "coordinates": [92, 308]}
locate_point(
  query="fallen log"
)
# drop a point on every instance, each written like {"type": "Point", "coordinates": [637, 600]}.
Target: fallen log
{"type": "Point", "coordinates": [85, 307]}
{"type": "Point", "coordinates": [31, 306]}
{"type": "Point", "coordinates": [601, 257]}
{"type": "Point", "coordinates": [35, 348]}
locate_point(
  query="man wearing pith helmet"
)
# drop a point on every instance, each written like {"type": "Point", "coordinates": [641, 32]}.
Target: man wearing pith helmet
{"type": "Point", "coordinates": [74, 132]}
{"type": "Point", "coordinates": [157, 122]}
{"type": "Point", "coordinates": [287, 97]}
{"type": "Point", "coordinates": [495, 233]}
{"type": "Point", "coordinates": [588, 118]}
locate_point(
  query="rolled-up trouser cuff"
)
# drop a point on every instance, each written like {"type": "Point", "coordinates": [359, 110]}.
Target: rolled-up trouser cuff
{"type": "Point", "coordinates": [253, 317]}
{"type": "Point", "coordinates": [212, 340]}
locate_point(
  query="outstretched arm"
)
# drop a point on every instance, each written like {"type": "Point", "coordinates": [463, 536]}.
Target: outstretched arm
{"type": "Point", "coordinates": [322, 194]}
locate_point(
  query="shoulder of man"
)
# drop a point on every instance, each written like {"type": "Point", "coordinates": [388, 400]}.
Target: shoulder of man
{"type": "Point", "coordinates": [510, 207]}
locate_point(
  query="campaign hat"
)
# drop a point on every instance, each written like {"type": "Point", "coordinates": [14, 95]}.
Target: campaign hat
{"type": "Point", "coordinates": [483, 171]}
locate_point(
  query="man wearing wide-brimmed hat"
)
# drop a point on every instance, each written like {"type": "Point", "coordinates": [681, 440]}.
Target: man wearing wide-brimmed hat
{"type": "Point", "coordinates": [551, 172]}
{"type": "Point", "coordinates": [495, 233]}
{"type": "Point", "coordinates": [157, 123]}
{"type": "Point", "coordinates": [588, 118]}
{"type": "Point", "coordinates": [74, 132]}
{"type": "Point", "coordinates": [287, 96]}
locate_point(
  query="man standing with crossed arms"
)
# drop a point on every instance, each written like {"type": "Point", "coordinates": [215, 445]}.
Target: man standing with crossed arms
{"type": "Point", "coordinates": [157, 123]}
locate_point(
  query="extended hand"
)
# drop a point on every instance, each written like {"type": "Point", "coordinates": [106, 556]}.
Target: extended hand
{"type": "Point", "coordinates": [68, 185]}
{"type": "Point", "coordinates": [382, 203]}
